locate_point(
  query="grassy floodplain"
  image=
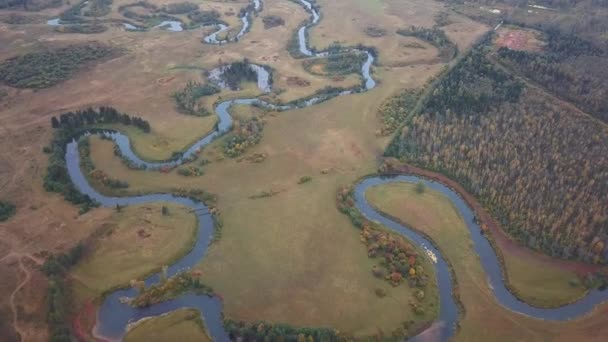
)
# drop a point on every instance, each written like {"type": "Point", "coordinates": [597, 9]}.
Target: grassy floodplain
{"type": "Point", "coordinates": [180, 325]}
{"type": "Point", "coordinates": [139, 241]}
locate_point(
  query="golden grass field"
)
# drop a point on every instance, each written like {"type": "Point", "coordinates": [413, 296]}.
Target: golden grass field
{"type": "Point", "coordinates": [298, 260]}
{"type": "Point", "coordinates": [180, 325]}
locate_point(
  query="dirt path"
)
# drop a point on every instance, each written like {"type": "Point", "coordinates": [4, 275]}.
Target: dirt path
{"type": "Point", "coordinates": [13, 295]}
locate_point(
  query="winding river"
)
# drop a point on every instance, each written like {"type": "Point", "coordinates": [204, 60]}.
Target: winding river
{"type": "Point", "coordinates": [114, 316]}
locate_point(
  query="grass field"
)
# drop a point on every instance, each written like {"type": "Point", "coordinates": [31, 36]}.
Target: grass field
{"type": "Point", "coordinates": [180, 325]}
{"type": "Point", "coordinates": [140, 240]}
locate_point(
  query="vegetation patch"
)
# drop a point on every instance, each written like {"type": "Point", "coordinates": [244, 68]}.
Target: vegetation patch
{"type": "Point", "coordinates": [233, 74]}
{"type": "Point", "coordinates": [271, 21]}
{"type": "Point", "coordinates": [265, 194]}
{"type": "Point", "coordinates": [46, 68]}
{"type": "Point", "coordinates": [245, 133]}
{"type": "Point", "coordinates": [375, 32]}
{"type": "Point", "coordinates": [435, 37]}
{"type": "Point", "coordinates": [169, 289]}
{"type": "Point", "coordinates": [336, 64]}
{"type": "Point", "coordinates": [187, 99]}
{"type": "Point", "coordinates": [190, 170]}
{"type": "Point", "coordinates": [7, 209]}
{"type": "Point", "coordinates": [97, 8]}
{"type": "Point", "coordinates": [204, 17]}
{"type": "Point", "coordinates": [304, 179]}
{"type": "Point", "coordinates": [396, 109]}
{"type": "Point", "coordinates": [180, 7]}
{"type": "Point", "coordinates": [56, 268]}
{"type": "Point", "coordinates": [81, 28]}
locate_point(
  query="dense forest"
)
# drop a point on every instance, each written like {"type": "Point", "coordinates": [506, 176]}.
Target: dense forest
{"type": "Point", "coordinates": [434, 36]}
{"type": "Point", "coordinates": [46, 68]}
{"type": "Point", "coordinates": [570, 67]}
{"type": "Point", "coordinates": [540, 168]}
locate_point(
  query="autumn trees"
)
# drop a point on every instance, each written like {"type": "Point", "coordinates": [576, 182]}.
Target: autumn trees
{"type": "Point", "coordinates": [541, 168]}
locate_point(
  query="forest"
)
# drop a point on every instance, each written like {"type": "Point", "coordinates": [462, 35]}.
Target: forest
{"type": "Point", "coordinates": [44, 69]}
{"type": "Point", "coordinates": [434, 36]}
{"type": "Point", "coordinates": [570, 67]}
{"type": "Point", "coordinates": [539, 167]}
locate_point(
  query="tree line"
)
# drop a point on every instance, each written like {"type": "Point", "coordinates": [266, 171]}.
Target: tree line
{"type": "Point", "coordinates": [103, 115]}
{"type": "Point", "coordinates": [570, 67]}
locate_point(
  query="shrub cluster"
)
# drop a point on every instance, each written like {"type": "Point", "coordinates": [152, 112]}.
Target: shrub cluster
{"type": "Point", "coordinates": [245, 134]}
{"type": "Point", "coordinates": [171, 288]}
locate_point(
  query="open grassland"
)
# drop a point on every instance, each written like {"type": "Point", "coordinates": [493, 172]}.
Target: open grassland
{"type": "Point", "coordinates": [173, 135]}
{"type": "Point", "coordinates": [434, 214]}
{"type": "Point", "coordinates": [284, 247]}
{"type": "Point", "coordinates": [181, 325]}
{"type": "Point", "coordinates": [139, 240]}
{"type": "Point", "coordinates": [484, 318]}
